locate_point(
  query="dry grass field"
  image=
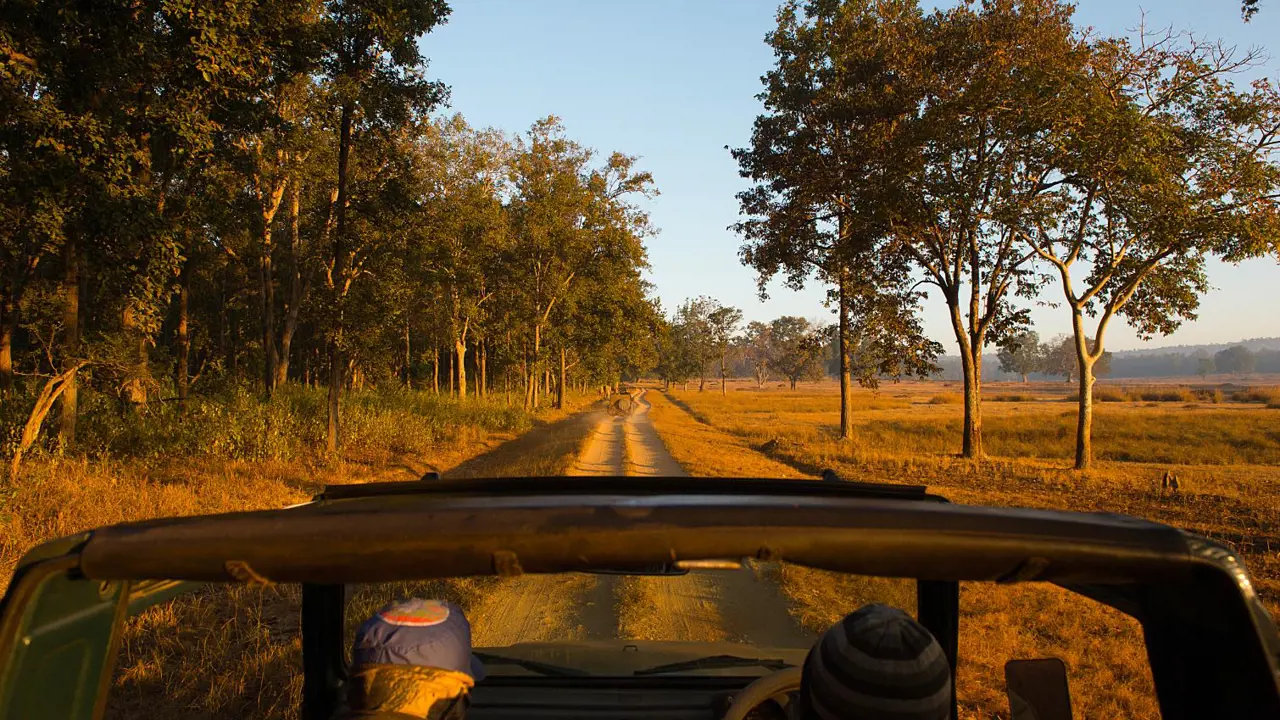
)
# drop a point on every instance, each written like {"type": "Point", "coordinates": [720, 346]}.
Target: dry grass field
{"type": "Point", "coordinates": [234, 652]}
{"type": "Point", "coordinates": [1224, 444]}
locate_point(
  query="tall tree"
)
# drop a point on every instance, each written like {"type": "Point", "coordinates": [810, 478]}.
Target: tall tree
{"type": "Point", "coordinates": [822, 162]}
{"type": "Point", "coordinates": [1163, 162]}
{"type": "Point", "coordinates": [465, 229]}
{"type": "Point", "coordinates": [375, 70]}
{"type": "Point", "coordinates": [799, 348]}
{"type": "Point", "coordinates": [1022, 354]}
{"type": "Point", "coordinates": [975, 149]}
{"type": "Point", "coordinates": [760, 349]}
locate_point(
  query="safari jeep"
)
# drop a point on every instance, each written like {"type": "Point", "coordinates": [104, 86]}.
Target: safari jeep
{"type": "Point", "coordinates": [1212, 648]}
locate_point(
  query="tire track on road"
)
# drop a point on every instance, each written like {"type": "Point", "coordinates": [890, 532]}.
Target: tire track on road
{"type": "Point", "coordinates": [570, 606]}
{"type": "Point", "coordinates": [703, 605]}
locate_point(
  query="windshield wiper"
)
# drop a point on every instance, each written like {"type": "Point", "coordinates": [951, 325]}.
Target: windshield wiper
{"type": "Point", "coordinates": [714, 662]}
{"type": "Point", "coordinates": [533, 665]}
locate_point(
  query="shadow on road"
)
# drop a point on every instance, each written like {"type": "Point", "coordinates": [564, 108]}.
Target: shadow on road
{"type": "Point", "coordinates": [545, 450]}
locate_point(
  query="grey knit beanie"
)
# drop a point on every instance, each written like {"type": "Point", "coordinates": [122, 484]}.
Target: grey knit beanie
{"type": "Point", "coordinates": [876, 664]}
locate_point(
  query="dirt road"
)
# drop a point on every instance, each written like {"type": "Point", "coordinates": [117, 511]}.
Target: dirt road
{"type": "Point", "coordinates": [704, 605]}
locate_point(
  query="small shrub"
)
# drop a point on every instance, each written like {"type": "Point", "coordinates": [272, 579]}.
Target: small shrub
{"type": "Point", "coordinates": [1013, 397]}
{"type": "Point", "coordinates": [1183, 395]}
{"type": "Point", "coordinates": [1265, 395]}
{"type": "Point", "coordinates": [946, 399]}
{"type": "Point", "coordinates": [1109, 395]}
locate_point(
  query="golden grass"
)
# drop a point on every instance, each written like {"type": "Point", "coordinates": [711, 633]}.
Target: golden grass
{"type": "Point", "coordinates": [912, 426]}
{"type": "Point", "coordinates": [1225, 456]}
{"type": "Point", "coordinates": [232, 651]}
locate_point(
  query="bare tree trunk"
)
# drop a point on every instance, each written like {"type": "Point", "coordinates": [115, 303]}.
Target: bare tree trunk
{"type": "Point", "coordinates": [268, 205]}
{"type": "Point", "coordinates": [537, 355]}
{"type": "Point", "coordinates": [527, 373]}
{"type": "Point", "coordinates": [1085, 358]}
{"type": "Point", "coordinates": [560, 386]}
{"type": "Point", "coordinates": [724, 378]}
{"type": "Point", "coordinates": [53, 387]}
{"type": "Point", "coordinates": [452, 374]}
{"type": "Point", "coordinates": [845, 347]}
{"type": "Point", "coordinates": [482, 381]}
{"type": "Point", "coordinates": [224, 318]}
{"type": "Point", "coordinates": [1024, 378]}
{"type": "Point", "coordinates": [70, 340]}
{"type": "Point", "coordinates": [460, 349]}
{"type": "Point", "coordinates": [268, 298]}
{"type": "Point", "coordinates": [336, 364]}
{"type": "Point", "coordinates": [408, 357]}
{"type": "Point", "coordinates": [184, 337]}
{"type": "Point", "coordinates": [8, 321]}
{"type": "Point", "coordinates": [298, 289]}
{"type": "Point", "coordinates": [972, 444]}
{"type": "Point", "coordinates": [702, 379]}
{"type": "Point", "coordinates": [435, 371]}
{"type": "Point", "coordinates": [971, 364]}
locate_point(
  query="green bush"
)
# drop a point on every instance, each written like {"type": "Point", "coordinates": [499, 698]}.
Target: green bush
{"type": "Point", "coordinates": [236, 423]}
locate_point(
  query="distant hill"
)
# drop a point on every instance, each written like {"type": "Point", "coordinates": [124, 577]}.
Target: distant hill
{"type": "Point", "coordinates": [1168, 361]}
{"type": "Point", "coordinates": [1254, 344]}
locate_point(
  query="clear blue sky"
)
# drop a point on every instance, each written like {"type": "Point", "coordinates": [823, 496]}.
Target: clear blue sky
{"type": "Point", "coordinates": [674, 81]}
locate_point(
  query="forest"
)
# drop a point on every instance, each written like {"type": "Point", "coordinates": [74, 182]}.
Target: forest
{"type": "Point", "coordinates": [199, 203]}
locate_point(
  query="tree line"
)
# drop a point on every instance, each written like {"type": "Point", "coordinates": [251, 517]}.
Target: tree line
{"type": "Point", "coordinates": [1004, 156]}
{"type": "Point", "coordinates": [268, 193]}
{"type": "Point", "coordinates": [704, 336]}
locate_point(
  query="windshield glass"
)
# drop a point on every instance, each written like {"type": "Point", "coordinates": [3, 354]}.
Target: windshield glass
{"type": "Point", "coordinates": [745, 621]}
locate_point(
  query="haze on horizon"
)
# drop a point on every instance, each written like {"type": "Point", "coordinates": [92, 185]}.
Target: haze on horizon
{"type": "Point", "coordinates": [675, 83]}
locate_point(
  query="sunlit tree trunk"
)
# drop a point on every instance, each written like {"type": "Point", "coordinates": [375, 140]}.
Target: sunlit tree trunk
{"type": "Point", "coordinates": [560, 385]}
{"type": "Point", "coordinates": [298, 288]}
{"type": "Point", "coordinates": [336, 364]}
{"type": "Point", "coordinates": [70, 340]}
{"type": "Point", "coordinates": [8, 320]}
{"type": "Point", "coordinates": [408, 357]}
{"type": "Point", "coordinates": [971, 364]}
{"type": "Point", "coordinates": [1085, 359]}
{"type": "Point", "coordinates": [846, 379]}
{"type": "Point", "coordinates": [460, 352]}
{"type": "Point", "coordinates": [184, 337]}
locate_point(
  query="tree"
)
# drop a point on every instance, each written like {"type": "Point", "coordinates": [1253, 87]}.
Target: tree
{"type": "Point", "coordinates": [1205, 366]}
{"type": "Point", "coordinates": [800, 346]}
{"type": "Point", "coordinates": [1236, 360]}
{"type": "Point", "coordinates": [375, 69]}
{"type": "Point", "coordinates": [722, 324]}
{"type": "Point", "coordinates": [1022, 354]}
{"type": "Point", "coordinates": [464, 234]}
{"type": "Point", "coordinates": [569, 220]}
{"type": "Point", "coordinates": [820, 163]}
{"type": "Point", "coordinates": [1060, 359]}
{"type": "Point", "coordinates": [977, 168]}
{"type": "Point", "coordinates": [708, 328]}
{"type": "Point", "coordinates": [760, 349]}
{"type": "Point", "coordinates": [1162, 163]}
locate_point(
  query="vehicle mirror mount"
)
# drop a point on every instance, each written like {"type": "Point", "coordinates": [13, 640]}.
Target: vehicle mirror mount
{"type": "Point", "coordinates": [1038, 689]}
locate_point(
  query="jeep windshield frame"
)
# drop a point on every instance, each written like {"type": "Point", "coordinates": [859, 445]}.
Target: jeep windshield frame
{"type": "Point", "coordinates": [1213, 648]}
